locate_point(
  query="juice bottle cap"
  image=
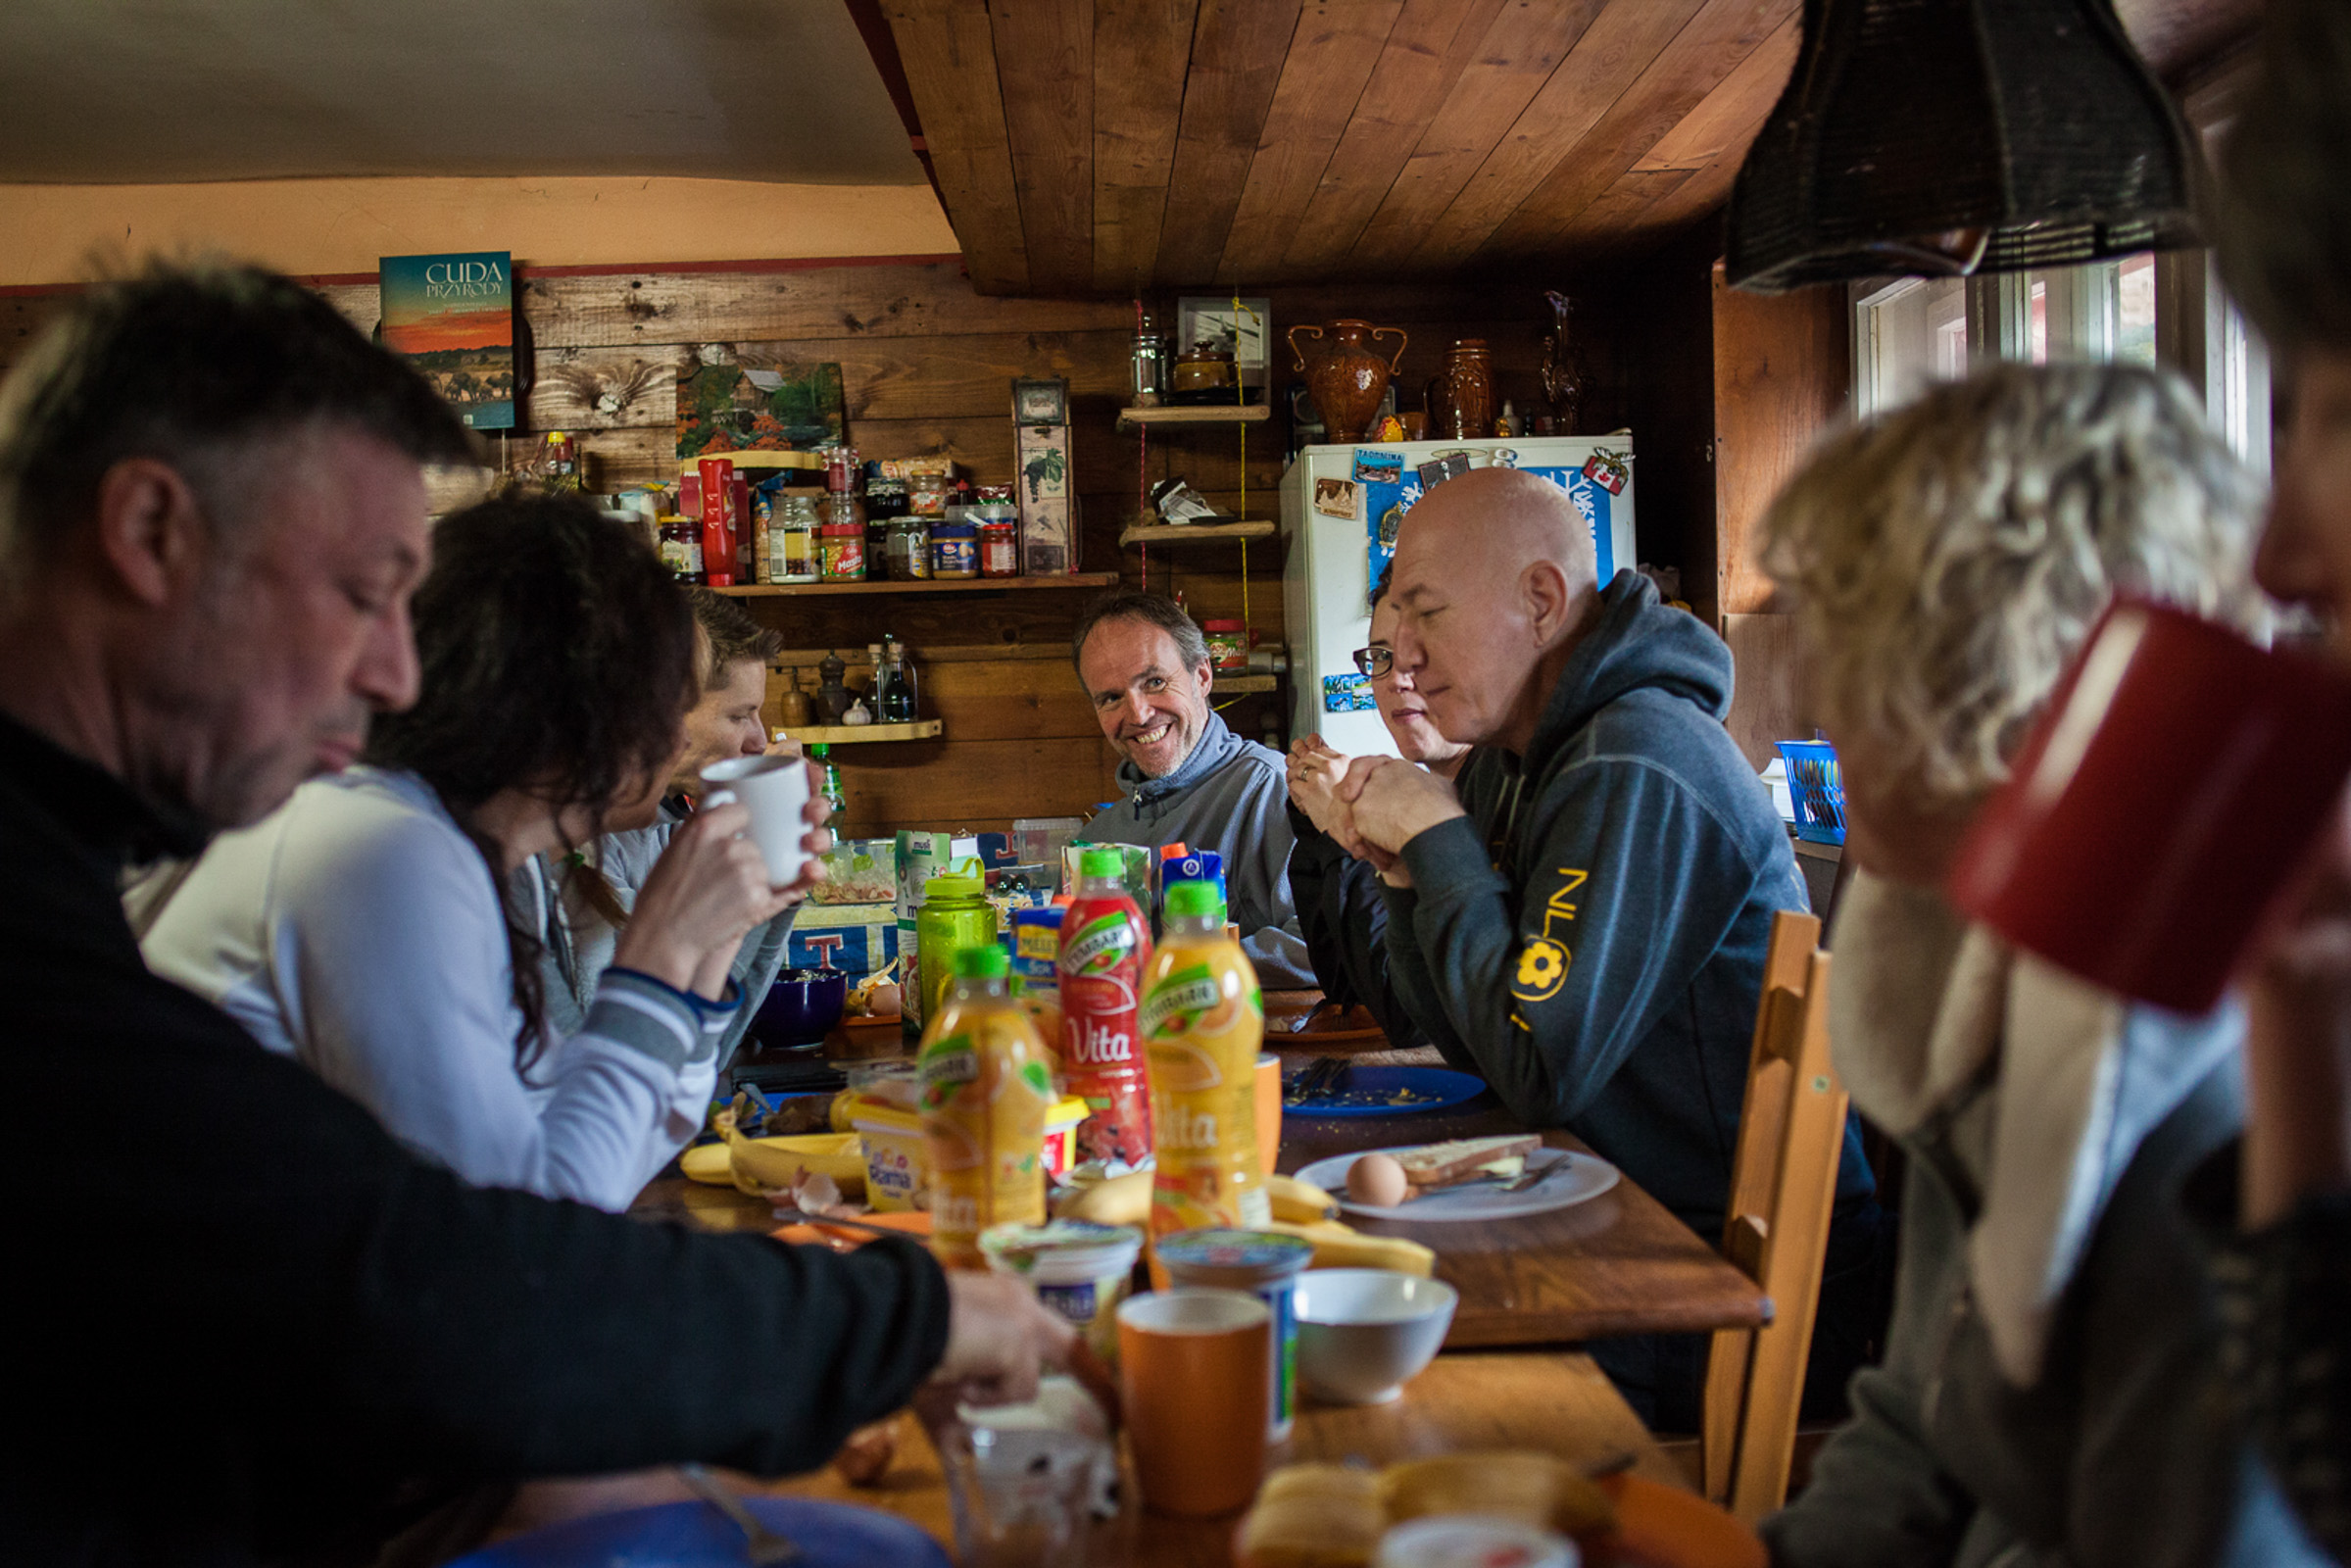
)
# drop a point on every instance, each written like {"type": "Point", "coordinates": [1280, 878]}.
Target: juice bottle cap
{"type": "Point", "coordinates": [1101, 863]}
{"type": "Point", "coordinates": [1193, 900]}
{"type": "Point", "coordinates": [981, 963]}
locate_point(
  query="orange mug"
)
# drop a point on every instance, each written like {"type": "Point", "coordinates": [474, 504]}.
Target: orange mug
{"type": "Point", "coordinates": [1195, 1382]}
{"type": "Point", "coordinates": [1268, 1084]}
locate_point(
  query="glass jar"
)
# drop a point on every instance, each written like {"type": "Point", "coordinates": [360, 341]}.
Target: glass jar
{"type": "Point", "coordinates": [794, 540]}
{"type": "Point", "coordinates": [682, 548]}
{"type": "Point", "coordinates": [885, 499]}
{"type": "Point", "coordinates": [909, 550]}
{"type": "Point", "coordinates": [844, 550]}
{"type": "Point", "coordinates": [1228, 644]}
{"type": "Point", "coordinates": [926, 494]}
{"type": "Point", "coordinates": [954, 550]}
{"type": "Point", "coordinates": [1000, 549]}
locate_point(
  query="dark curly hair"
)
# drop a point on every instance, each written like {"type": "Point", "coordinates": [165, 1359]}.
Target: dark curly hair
{"type": "Point", "coordinates": [556, 654]}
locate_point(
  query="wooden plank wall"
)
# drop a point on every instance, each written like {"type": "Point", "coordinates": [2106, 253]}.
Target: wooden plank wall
{"type": "Point", "coordinates": [926, 362]}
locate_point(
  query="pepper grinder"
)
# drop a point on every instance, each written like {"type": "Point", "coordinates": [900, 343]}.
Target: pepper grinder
{"type": "Point", "coordinates": [832, 697]}
{"type": "Point", "coordinates": [792, 703]}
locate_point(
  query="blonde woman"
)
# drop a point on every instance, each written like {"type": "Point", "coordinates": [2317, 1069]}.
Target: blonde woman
{"type": "Point", "coordinates": [2049, 1391]}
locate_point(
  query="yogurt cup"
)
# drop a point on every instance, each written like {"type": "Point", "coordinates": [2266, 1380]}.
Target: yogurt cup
{"type": "Point", "coordinates": [1473, 1541]}
{"type": "Point", "coordinates": [1265, 1263]}
{"type": "Point", "coordinates": [1078, 1269]}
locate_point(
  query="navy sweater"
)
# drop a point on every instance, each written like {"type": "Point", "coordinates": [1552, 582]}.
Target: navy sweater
{"type": "Point", "coordinates": [1590, 937]}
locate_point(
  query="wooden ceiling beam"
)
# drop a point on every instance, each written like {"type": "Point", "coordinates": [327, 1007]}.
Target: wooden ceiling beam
{"type": "Point", "coordinates": [1142, 51]}
{"type": "Point", "coordinates": [1602, 69]}
{"type": "Point", "coordinates": [1726, 120]}
{"type": "Point", "coordinates": [949, 54]}
{"type": "Point", "coordinates": [1701, 58]}
{"type": "Point", "coordinates": [1520, 50]}
{"type": "Point", "coordinates": [1045, 65]}
{"type": "Point", "coordinates": [1237, 51]}
{"type": "Point", "coordinates": [1331, 58]}
{"type": "Point", "coordinates": [1431, 44]}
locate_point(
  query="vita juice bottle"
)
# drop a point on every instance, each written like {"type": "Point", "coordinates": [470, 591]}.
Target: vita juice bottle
{"type": "Point", "coordinates": [985, 1092]}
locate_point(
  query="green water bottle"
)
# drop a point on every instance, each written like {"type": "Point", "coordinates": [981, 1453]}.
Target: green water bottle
{"type": "Point", "coordinates": [836, 798]}
{"type": "Point", "coordinates": [956, 914]}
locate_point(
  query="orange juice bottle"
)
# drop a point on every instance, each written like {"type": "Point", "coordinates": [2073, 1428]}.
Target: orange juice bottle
{"type": "Point", "coordinates": [1202, 1020]}
{"type": "Point", "coordinates": [985, 1091]}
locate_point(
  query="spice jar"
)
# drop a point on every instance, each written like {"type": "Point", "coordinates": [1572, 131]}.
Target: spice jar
{"type": "Point", "coordinates": [909, 550]}
{"type": "Point", "coordinates": [1000, 549]}
{"type": "Point", "coordinates": [844, 550]}
{"type": "Point", "coordinates": [954, 550]}
{"type": "Point", "coordinates": [1228, 644]}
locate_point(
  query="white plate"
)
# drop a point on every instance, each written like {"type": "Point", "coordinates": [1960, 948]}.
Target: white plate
{"type": "Point", "coordinates": [1575, 1179]}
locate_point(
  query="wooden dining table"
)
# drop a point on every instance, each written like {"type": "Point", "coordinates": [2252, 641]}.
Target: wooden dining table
{"type": "Point", "coordinates": [1532, 1288]}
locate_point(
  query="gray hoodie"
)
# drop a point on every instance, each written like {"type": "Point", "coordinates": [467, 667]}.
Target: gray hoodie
{"type": "Point", "coordinates": [1230, 796]}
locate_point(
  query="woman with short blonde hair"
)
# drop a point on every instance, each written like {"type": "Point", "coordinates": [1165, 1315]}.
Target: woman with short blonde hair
{"type": "Point", "coordinates": [2049, 1391]}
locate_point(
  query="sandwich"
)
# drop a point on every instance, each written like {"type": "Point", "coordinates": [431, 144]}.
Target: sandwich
{"type": "Point", "coordinates": [1467, 1159]}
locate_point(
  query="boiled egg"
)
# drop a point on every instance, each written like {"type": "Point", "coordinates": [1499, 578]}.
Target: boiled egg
{"type": "Point", "coordinates": [1377, 1181]}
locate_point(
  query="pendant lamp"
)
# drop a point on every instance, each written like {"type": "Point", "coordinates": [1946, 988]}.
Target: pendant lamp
{"type": "Point", "coordinates": [1944, 137]}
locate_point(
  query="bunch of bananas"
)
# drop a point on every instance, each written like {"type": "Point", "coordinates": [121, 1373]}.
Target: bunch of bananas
{"type": "Point", "coordinates": [1299, 1208]}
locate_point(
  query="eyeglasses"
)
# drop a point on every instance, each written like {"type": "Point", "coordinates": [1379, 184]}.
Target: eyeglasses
{"type": "Point", "coordinates": [1375, 661]}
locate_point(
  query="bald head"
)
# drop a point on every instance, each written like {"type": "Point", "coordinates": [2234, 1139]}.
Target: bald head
{"type": "Point", "coordinates": [1494, 580]}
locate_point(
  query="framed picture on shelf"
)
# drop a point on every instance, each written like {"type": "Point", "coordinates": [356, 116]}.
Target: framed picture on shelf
{"type": "Point", "coordinates": [1246, 332]}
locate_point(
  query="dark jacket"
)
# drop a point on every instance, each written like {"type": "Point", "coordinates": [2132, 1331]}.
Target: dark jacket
{"type": "Point", "coordinates": [1590, 937]}
{"type": "Point", "coordinates": [1344, 921]}
{"type": "Point", "coordinates": [245, 1324]}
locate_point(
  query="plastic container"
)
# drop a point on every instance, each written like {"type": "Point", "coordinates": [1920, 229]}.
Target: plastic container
{"type": "Point", "coordinates": [1000, 549]}
{"type": "Point", "coordinates": [1228, 644]}
{"type": "Point", "coordinates": [954, 550]}
{"type": "Point", "coordinates": [1818, 789]}
{"type": "Point", "coordinates": [1078, 1269]}
{"type": "Point", "coordinates": [898, 1162]}
{"type": "Point", "coordinates": [843, 544]}
{"type": "Point", "coordinates": [986, 1090]}
{"type": "Point", "coordinates": [1106, 944]}
{"type": "Point", "coordinates": [1265, 1263]}
{"type": "Point", "coordinates": [859, 872]}
{"type": "Point", "coordinates": [1203, 1022]}
{"type": "Point", "coordinates": [956, 914]}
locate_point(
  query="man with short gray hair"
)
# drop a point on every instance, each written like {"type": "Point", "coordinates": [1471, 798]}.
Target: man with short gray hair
{"type": "Point", "coordinates": [1187, 777]}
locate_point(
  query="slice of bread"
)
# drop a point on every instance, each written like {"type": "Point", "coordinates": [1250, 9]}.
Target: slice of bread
{"type": "Point", "coordinates": [1465, 1159]}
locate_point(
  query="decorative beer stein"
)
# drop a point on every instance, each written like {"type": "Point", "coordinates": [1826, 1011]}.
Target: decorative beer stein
{"type": "Point", "coordinates": [1349, 377]}
{"type": "Point", "coordinates": [1461, 395]}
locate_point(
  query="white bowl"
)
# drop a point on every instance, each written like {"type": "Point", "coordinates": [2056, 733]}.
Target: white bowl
{"type": "Point", "coordinates": [1363, 1332]}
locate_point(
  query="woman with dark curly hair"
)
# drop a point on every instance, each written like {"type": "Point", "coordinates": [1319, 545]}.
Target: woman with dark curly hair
{"type": "Point", "coordinates": [376, 929]}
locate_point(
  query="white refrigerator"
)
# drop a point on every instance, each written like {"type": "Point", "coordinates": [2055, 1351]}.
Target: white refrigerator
{"type": "Point", "coordinates": [1341, 507]}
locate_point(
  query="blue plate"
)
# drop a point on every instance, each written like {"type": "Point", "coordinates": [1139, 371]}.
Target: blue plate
{"type": "Point", "coordinates": [695, 1535]}
{"type": "Point", "coordinates": [1374, 1092]}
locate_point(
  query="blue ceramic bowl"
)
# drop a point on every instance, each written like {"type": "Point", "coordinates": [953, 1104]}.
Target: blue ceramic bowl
{"type": "Point", "coordinates": [799, 1007]}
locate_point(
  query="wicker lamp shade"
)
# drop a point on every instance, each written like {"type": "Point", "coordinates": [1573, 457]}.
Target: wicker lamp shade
{"type": "Point", "coordinates": [1943, 137]}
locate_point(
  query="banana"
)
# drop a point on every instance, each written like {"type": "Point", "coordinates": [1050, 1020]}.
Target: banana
{"type": "Point", "coordinates": [1300, 1202]}
{"type": "Point", "coordinates": [1338, 1246]}
{"type": "Point", "coordinates": [1113, 1200]}
{"type": "Point", "coordinates": [764, 1164]}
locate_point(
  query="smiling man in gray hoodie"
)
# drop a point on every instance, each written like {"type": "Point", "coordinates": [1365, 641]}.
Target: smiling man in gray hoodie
{"type": "Point", "coordinates": [1581, 916]}
{"type": "Point", "coordinates": [1186, 778]}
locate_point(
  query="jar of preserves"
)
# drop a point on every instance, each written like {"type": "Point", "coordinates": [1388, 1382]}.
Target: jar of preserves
{"type": "Point", "coordinates": [682, 548]}
{"type": "Point", "coordinates": [885, 498]}
{"type": "Point", "coordinates": [926, 494]}
{"type": "Point", "coordinates": [1000, 549]}
{"type": "Point", "coordinates": [1228, 644]}
{"type": "Point", "coordinates": [842, 546]}
{"type": "Point", "coordinates": [954, 550]}
{"type": "Point", "coordinates": [909, 550]}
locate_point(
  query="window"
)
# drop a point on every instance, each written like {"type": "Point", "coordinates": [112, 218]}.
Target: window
{"type": "Point", "coordinates": [2145, 309]}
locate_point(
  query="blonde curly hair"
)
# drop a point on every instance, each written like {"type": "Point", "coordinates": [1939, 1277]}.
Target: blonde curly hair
{"type": "Point", "coordinates": [1949, 558]}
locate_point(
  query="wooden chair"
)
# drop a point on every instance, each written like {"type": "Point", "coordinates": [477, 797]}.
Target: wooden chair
{"type": "Point", "coordinates": [1783, 1191]}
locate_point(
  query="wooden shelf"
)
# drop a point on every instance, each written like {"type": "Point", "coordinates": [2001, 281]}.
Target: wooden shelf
{"type": "Point", "coordinates": [952, 585]}
{"type": "Point", "coordinates": [1237, 685]}
{"type": "Point", "coordinates": [1182, 533]}
{"type": "Point", "coordinates": [921, 729]}
{"type": "Point", "coordinates": [1197, 414]}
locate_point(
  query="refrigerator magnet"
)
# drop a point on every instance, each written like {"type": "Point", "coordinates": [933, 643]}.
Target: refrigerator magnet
{"type": "Point", "coordinates": [1350, 692]}
{"type": "Point", "coordinates": [1336, 497]}
{"type": "Point", "coordinates": [1378, 467]}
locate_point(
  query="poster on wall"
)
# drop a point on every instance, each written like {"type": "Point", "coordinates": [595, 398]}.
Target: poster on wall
{"type": "Point", "coordinates": [753, 397]}
{"type": "Point", "coordinates": [453, 318]}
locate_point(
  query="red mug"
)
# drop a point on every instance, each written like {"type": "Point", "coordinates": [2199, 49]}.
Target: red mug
{"type": "Point", "coordinates": [2176, 781]}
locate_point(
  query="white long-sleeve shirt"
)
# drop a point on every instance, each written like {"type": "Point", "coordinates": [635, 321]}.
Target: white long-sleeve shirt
{"type": "Point", "coordinates": [357, 930]}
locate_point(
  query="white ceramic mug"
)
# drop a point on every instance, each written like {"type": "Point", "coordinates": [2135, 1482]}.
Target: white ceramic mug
{"type": "Point", "coordinates": [775, 791]}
